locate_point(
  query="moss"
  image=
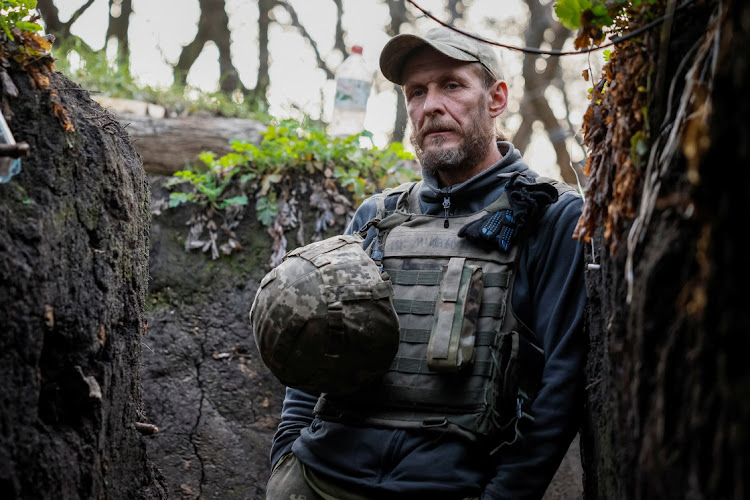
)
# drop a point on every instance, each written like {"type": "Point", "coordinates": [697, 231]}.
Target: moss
{"type": "Point", "coordinates": [22, 206]}
{"type": "Point", "coordinates": [65, 215]}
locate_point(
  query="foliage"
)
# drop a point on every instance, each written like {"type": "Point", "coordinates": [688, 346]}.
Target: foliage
{"type": "Point", "coordinates": [22, 40]}
{"type": "Point", "coordinates": [595, 18]}
{"type": "Point", "coordinates": [93, 71]}
{"type": "Point", "coordinates": [21, 27]}
{"type": "Point", "coordinates": [15, 14]}
{"type": "Point", "coordinates": [288, 148]}
{"type": "Point", "coordinates": [615, 125]}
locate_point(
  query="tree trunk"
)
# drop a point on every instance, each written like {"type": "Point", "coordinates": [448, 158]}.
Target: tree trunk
{"type": "Point", "coordinates": [263, 80]}
{"type": "Point", "coordinates": [117, 28]}
{"type": "Point", "coordinates": [167, 145]}
{"type": "Point", "coordinates": [398, 15]}
{"type": "Point", "coordinates": [73, 279]}
{"type": "Point", "coordinates": [535, 106]}
{"type": "Point", "coordinates": [213, 25]}
{"type": "Point", "coordinates": [668, 382]}
{"type": "Point", "coordinates": [61, 30]}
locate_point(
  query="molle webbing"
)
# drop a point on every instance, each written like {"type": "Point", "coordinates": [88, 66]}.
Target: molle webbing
{"type": "Point", "coordinates": [425, 277]}
{"type": "Point", "coordinates": [496, 311]}
{"type": "Point", "coordinates": [457, 365]}
{"type": "Point", "coordinates": [443, 369]}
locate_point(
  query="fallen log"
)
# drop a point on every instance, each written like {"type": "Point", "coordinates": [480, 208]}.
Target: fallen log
{"type": "Point", "coordinates": [167, 145]}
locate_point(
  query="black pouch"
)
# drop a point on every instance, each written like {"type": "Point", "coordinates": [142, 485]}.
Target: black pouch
{"type": "Point", "coordinates": [521, 363]}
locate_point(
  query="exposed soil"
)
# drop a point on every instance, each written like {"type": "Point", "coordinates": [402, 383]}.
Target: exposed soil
{"type": "Point", "coordinates": [73, 239]}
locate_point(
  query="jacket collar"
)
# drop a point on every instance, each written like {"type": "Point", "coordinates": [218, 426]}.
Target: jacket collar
{"type": "Point", "coordinates": [475, 193]}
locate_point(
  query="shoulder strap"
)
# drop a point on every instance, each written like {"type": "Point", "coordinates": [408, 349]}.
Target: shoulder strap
{"type": "Point", "coordinates": [384, 222]}
{"type": "Point", "coordinates": [400, 190]}
{"type": "Point", "coordinates": [502, 203]}
{"type": "Point", "coordinates": [562, 187]}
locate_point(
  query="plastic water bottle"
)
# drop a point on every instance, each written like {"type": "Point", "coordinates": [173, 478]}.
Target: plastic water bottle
{"type": "Point", "coordinates": [353, 83]}
{"type": "Point", "coordinates": [8, 166]}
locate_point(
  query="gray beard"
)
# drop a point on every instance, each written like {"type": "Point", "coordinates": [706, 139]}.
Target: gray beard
{"type": "Point", "coordinates": [465, 156]}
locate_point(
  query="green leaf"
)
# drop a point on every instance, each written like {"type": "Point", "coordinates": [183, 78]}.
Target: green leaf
{"type": "Point", "coordinates": [599, 9]}
{"type": "Point", "coordinates": [266, 209]}
{"type": "Point", "coordinates": [207, 157]}
{"type": "Point", "coordinates": [248, 177]}
{"type": "Point", "coordinates": [176, 199]}
{"type": "Point", "coordinates": [27, 26]}
{"type": "Point", "coordinates": [231, 159]}
{"type": "Point", "coordinates": [569, 12]}
{"type": "Point", "coordinates": [235, 200]}
{"type": "Point", "coordinates": [7, 31]}
{"type": "Point", "coordinates": [638, 148]}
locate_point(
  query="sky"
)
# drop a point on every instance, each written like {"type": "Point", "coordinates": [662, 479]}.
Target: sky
{"type": "Point", "coordinates": [159, 29]}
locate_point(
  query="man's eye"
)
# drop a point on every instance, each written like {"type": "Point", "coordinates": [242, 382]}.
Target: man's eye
{"type": "Point", "coordinates": [417, 93]}
{"type": "Point", "coordinates": [452, 85]}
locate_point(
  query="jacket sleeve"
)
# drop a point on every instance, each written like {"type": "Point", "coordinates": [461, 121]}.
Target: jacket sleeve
{"type": "Point", "coordinates": [364, 213]}
{"type": "Point", "coordinates": [297, 410]}
{"type": "Point", "coordinates": [296, 414]}
{"type": "Point", "coordinates": [549, 296]}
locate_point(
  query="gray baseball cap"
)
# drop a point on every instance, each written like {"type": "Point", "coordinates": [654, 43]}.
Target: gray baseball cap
{"type": "Point", "coordinates": [443, 39]}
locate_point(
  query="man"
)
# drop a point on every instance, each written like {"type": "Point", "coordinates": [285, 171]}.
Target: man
{"type": "Point", "coordinates": [404, 438]}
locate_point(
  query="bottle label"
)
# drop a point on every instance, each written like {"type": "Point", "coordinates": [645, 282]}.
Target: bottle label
{"type": "Point", "coordinates": [351, 94]}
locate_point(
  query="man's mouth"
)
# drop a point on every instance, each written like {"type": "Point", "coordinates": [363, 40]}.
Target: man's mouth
{"type": "Point", "coordinates": [435, 132]}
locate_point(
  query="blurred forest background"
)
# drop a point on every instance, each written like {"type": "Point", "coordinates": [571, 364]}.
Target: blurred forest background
{"type": "Point", "coordinates": [277, 59]}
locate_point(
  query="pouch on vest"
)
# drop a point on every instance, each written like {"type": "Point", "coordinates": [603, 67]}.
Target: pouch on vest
{"type": "Point", "coordinates": [451, 345]}
{"type": "Point", "coordinates": [522, 362]}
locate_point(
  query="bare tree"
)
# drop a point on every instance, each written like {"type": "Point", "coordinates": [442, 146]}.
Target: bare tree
{"type": "Point", "coordinates": [456, 9]}
{"type": "Point", "coordinates": [213, 26]}
{"type": "Point", "coordinates": [263, 80]}
{"type": "Point", "coordinates": [56, 27]}
{"type": "Point", "coordinates": [117, 29]}
{"type": "Point", "coordinates": [534, 106]}
{"type": "Point", "coordinates": [264, 22]}
{"type": "Point", "coordinates": [339, 46]}
{"type": "Point", "coordinates": [399, 16]}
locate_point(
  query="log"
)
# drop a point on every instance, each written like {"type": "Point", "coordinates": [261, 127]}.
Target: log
{"type": "Point", "coordinates": [167, 145]}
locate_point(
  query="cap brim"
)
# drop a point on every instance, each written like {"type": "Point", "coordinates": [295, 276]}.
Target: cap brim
{"type": "Point", "coordinates": [397, 50]}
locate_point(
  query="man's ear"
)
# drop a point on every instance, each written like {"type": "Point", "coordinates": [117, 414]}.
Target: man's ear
{"type": "Point", "coordinates": [498, 94]}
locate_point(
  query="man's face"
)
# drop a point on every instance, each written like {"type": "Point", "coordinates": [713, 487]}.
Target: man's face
{"type": "Point", "coordinates": [453, 127]}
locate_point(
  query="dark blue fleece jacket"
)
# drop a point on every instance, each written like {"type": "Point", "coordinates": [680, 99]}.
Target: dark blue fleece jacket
{"type": "Point", "coordinates": [549, 297]}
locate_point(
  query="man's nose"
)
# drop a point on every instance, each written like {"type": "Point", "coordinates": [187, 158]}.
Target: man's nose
{"type": "Point", "coordinates": [433, 103]}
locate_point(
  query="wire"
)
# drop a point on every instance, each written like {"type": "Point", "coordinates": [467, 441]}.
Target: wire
{"type": "Point", "coordinates": [534, 50]}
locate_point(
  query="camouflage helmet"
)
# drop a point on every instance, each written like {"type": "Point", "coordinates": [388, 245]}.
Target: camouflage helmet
{"type": "Point", "coordinates": [324, 319]}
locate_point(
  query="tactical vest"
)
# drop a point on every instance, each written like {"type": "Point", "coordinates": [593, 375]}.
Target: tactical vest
{"type": "Point", "coordinates": [465, 364]}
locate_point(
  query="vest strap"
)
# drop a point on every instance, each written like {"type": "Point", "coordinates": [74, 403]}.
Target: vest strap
{"type": "Point", "coordinates": [418, 365]}
{"type": "Point", "coordinates": [431, 278]}
{"type": "Point", "coordinates": [395, 219]}
{"type": "Point", "coordinates": [418, 307]}
{"type": "Point", "coordinates": [417, 336]}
